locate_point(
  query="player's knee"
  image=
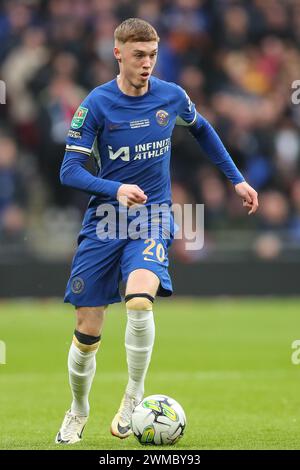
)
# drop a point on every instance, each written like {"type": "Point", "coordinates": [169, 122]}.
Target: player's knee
{"type": "Point", "coordinates": [139, 303]}
{"type": "Point", "coordinates": [88, 327]}
{"type": "Point", "coordinates": [89, 320]}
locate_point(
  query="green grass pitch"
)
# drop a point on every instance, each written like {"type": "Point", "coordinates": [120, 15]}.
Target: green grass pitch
{"type": "Point", "coordinates": [228, 362]}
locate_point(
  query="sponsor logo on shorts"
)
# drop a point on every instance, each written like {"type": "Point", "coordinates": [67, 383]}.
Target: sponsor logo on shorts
{"type": "Point", "coordinates": [77, 285]}
{"type": "Point", "coordinates": [162, 117]}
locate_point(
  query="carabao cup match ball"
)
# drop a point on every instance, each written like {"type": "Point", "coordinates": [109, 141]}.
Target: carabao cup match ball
{"type": "Point", "coordinates": [158, 420]}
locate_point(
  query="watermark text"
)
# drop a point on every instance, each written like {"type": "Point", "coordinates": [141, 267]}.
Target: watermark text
{"type": "Point", "coordinates": [2, 92]}
{"type": "Point", "coordinates": [2, 352]}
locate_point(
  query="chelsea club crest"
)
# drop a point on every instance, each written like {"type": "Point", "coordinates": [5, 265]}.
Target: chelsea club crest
{"type": "Point", "coordinates": [77, 285]}
{"type": "Point", "coordinates": [162, 117]}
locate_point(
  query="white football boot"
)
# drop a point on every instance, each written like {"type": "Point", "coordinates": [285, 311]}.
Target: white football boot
{"type": "Point", "coordinates": [121, 424]}
{"type": "Point", "coordinates": [71, 429]}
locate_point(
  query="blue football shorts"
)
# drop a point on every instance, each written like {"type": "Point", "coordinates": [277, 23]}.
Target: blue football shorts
{"type": "Point", "coordinates": [99, 266]}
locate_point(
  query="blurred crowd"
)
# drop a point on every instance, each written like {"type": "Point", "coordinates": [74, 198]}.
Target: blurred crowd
{"type": "Point", "coordinates": [237, 60]}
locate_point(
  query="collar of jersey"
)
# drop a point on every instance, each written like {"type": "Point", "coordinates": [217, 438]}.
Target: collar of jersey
{"type": "Point", "coordinates": [130, 97]}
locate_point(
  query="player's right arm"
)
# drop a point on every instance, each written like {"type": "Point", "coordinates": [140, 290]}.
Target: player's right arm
{"type": "Point", "coordinates": [85, 126]}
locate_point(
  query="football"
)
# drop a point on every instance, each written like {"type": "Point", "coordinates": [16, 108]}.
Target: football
{"type": "Point", "coordinates": [158, 420]}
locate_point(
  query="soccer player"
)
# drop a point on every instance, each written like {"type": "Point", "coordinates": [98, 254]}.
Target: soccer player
{"type": "Point", "coordinates": [127, 125]}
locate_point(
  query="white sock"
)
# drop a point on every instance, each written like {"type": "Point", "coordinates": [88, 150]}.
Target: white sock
{"type": "Point", "coordinates": [139, 340]}
{"type": "Point", "coordinates": [82, 368]}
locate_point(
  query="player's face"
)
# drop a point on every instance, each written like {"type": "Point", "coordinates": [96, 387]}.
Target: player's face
{"type": "Point", "coordinates": [137, 60]}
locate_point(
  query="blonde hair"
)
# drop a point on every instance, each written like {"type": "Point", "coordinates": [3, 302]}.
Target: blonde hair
{"type": "Point", "coordinates": [135, 30]}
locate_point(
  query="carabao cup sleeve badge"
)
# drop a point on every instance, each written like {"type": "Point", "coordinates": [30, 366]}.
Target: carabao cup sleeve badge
{"type": "Point", "coordinates": [79, 117]}
{"type": "Point", "coordinates": [162, 117]}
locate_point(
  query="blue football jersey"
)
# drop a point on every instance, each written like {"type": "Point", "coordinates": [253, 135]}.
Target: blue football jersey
{"type": "Point", "coordinates": [130, 139]}
{"type": "Point", "coordinates": [130, 136]}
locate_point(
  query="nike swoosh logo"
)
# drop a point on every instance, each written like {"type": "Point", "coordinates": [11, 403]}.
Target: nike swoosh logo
{"type": "Point", "coordinates": [80, 435]}
{"type": "Point", "coordinates": [149, 259]}
{"type": "Point", "coordinates": [59, 439]}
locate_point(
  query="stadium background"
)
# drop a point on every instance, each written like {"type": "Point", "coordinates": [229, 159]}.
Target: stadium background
{"type": "Point", "coordinates": [237, 60]}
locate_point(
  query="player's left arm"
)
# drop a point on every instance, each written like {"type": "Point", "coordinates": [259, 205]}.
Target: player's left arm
{"type": "Point", "coordinates": [212, 145]}
{"type": "Point", "coordinates": [217, 153]}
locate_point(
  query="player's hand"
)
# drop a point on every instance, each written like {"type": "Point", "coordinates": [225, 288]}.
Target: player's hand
{"type": "Point", "coordinates": [130, 194]}
{"type": "Point", "coordinates": [249, 196]}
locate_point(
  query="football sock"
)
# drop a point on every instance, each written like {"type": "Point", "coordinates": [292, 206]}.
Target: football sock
{"type": "Point", "coordinates": [82, 368]}
{"type": "Point", "coordinates": [139, 340]}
